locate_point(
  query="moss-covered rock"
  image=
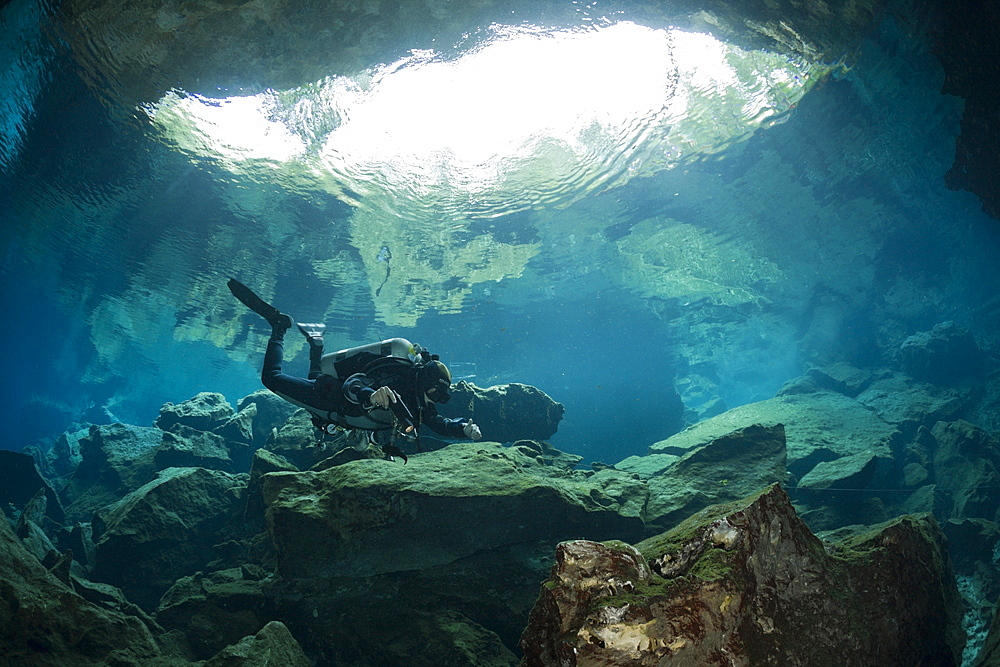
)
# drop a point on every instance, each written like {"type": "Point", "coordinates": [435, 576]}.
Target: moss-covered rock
{"type": "Point", "coordinates": [205, 411]}
{"type": "Point", "coordinates": [373, 516]}
{"type": "Point", "coordinates": [725, 468]}
{"type": "Point", "coordinates": [819, 426]}
{"type": "Point", "coordinates": [747, 583]}
{"type": "Point", "coordinates": [507, 412]}
{"type": "Point", "coordinates": [164, 530]}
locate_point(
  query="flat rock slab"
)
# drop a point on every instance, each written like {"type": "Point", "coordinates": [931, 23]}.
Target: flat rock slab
{"type": "Point", "coordinates": [819, 426]}
{"type": "Point", "coordinates": [372, 516]}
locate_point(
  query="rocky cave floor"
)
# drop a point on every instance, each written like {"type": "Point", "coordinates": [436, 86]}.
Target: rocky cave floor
{"type": "Point", "coordinates": [852, 515]}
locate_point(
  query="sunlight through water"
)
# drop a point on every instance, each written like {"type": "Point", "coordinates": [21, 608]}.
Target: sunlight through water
{"type": "Point", "coordinates": [524, 118]}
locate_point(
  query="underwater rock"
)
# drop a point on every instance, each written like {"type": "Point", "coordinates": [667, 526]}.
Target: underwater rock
{"type": "Point", "coordinates": [747, 583]}
{"type": "Point", "coordinates": [44, 622]}
{"type": "Point", "coordinates": [115, 459]}
{"type": "Point", "coordinates": [297, 441]}
{"type": "Point", "coordinates": [64, 455]}
{"type": "Point", "coordinates": [206, 411]}
{"type": "Point", "coordinates": [506, 412]}
{"type": "Point", "coordinates": [728, 467]}
{"type": "Point", "coordinates": [946, 354]}
{"type": "Point", "coordinates": [374, 516]}
{"type": "Point", "coordinates": [21, 481]}
{"type": "Point", "coordinates": [264, 461]}
{"type": "Point", "coordinates": [489, 594]}
{"type": "Point", "coordinates": [966, 465]}
{"type": "Point", "coordinates": [272, 645]}
{"type": "Point", "coordinates": [909, 403]}
{"type": "Point", "coordinates": [840, 377]}
{"type": "Point", "coordinates": [214, 610]}
{"type": "Point", "coordinates": [164, 530]}
{"type": "Point", "coordinates": [820, 426]}
{"type": "Point", "coordinates": [272, 412]}
{"type": "Point", "coordinates": [185, 447]}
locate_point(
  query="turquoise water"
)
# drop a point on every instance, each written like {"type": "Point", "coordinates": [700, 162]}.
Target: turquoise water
{"type": "Point", "coordinates": [602, 224]}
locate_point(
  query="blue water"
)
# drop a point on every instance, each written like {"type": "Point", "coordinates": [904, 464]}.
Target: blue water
{"type": "Point", "coordinates": [783, 248]}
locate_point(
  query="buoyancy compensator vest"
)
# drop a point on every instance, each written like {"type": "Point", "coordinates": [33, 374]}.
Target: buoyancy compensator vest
{"type": "Point", "coordinates": [378, 362]}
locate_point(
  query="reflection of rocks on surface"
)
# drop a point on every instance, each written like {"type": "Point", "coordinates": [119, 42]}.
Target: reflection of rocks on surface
{"type": "Point", "coordinates": [506, 412]}
{"type": "Point", "coordinates": [747, 583]}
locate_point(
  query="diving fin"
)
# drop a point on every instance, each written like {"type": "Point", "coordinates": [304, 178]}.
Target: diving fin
{"type": "Point", "coordinates": [247, 297]}
{"type": "Point", "coordinates": [313, 333]}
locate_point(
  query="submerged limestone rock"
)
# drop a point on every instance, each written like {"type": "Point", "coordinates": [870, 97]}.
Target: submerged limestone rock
{"type": "Point", "coordinates": [115, 460]}
{"type": "Point", "coordinates": [374, 516]}
{"type": "Point", "coordinates": [44, 622]}
{"type": "Point", "coordinates": [748, 584]}
{"type": "Point", "coordinates": [726, 468]}
{"type": "Point", "coordinates": [506, 412]}
{"type": "Point", "coordinates": [272, 645]}
{"type": "Point", "coordinates": [163, 530]}
{"type": "Point", "coordinates": [205, 411]}
{"type": "Point", "coordinates": [946, 354]}
{"type": "Point", "coordinates": [819, 426]}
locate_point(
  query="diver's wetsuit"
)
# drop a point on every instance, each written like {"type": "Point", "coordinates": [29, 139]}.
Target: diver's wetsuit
{"type": "Point", "coordinates": [330, 395]}
{"type": "Point", "coordinates": [310, 391]}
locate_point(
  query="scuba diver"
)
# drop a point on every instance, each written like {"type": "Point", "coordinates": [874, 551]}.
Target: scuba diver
{"type": "Point", "coordinates": [383, 389]}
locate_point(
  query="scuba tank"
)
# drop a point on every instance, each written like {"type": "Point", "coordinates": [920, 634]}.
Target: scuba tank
{"type": "Point", "coordinates": [345, 363]}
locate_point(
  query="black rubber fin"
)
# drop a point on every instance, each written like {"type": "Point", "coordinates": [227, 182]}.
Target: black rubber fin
{"type": "Point", "coordinates": [254, 302]}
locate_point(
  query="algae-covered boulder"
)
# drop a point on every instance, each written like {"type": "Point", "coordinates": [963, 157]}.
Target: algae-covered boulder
{"type": "Point", "coordinates": [44, 622]}
{"type": "Point", "coordinates": [214, 610]}
{"type": "Point", "coordinates": [20, 481]}
{"type": "Point", "coordinates": [115, 459]}
{"type": "Point", "coordinates": [374, 516]}
{"type": "Point", "coordinates": [746, 583]}
{"type": "Point", "coordinates": [272, 412]}
{"type": "Point", "coordinates": [273, 645]}
{"type": "Point", "coordinates": [205, 411]}
{"type": "Point", "coordinates": [908, 403]}
{"type": "Point", "coordinates": [945, 354]}
{"type": "Point", "coordinates": [507, 412]}
{"type": "Point", "coordinates": [164, 530]}
{"type": "Point", "coordinates": [186, 447]}
{"type": "Point", "coordinates": [726, 468]}
{"type": "Point", "coordinates": [819, 426]}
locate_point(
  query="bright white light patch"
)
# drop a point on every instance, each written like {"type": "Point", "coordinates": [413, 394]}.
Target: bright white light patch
{"type": "Point", "coordinates": [526, 118]}
{"type": "Point", "coordinates": [520, 88]}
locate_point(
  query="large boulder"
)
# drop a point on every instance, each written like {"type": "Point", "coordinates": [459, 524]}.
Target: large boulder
{"type": "Point", "coordinates": [273, 645]}
{"type": "Point", "coordinates": [44, 622]}
{"type": "Point", "coordinates": [374, 516]}
{"type": "Point", "coordinates": [726, 468]}
{"type": "Point", "coordinates": [819, 426]}
{"type": "Point", "coordinates": [272, 412]}
{"type": "Point", "coordinates": [946, 354]}
{"type": "Point", "coordinates": [214, 610]}
{"type": "Point", "coordinates": [506, 412]}
{"type": "Point", "coordinates": [115, 460]}
{"type": "Point", "coordinates": [164, 530]}
{"type": "Point", "coordinates": [908, 403]}
{"type": "Point", "coordinates": [747, 583]}
{"type": "Point", "coordinates": [20, 481]}
{"type": "Point", "coordinates": [205, 411]}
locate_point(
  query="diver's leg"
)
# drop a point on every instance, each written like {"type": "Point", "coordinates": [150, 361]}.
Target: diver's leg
{"type": "Point", "coordinates": [314, 335]}
{"type": "Point", "coordinates": [271, 375]}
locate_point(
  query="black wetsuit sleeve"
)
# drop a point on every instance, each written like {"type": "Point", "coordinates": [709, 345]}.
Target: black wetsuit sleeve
{"type": "Point", "coordinates": [449, 428]}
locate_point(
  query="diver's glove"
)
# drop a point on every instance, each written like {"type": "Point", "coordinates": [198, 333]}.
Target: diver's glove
{"type": "Point", "coordinates": [387, 399]}
{"type": "Point", "coordinates": [472, 431]}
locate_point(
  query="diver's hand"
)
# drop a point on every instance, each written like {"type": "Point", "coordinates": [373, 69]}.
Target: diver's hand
{"type": "Point", "coordinates": [384, 397]}
{"type": "Point", "coordinates": [472, 431]}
